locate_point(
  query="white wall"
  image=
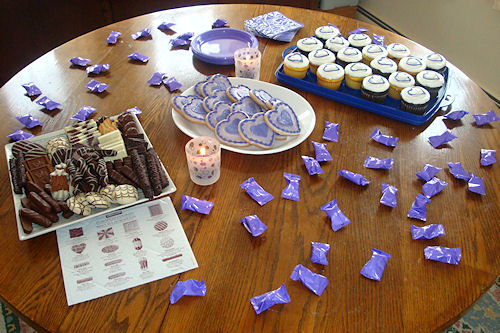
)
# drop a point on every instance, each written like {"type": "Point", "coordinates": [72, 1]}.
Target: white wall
{"type": "Point", "coordinates": [466, 32]}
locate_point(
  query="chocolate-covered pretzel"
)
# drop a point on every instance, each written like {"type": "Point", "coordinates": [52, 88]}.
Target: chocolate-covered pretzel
{"type": "Point", "coordinates": [130, 174]}
{"type": "Point", "coordinates": [26, 203]}
{"type": "Point", "coordinates": [141, 172]}
{"type": "Point", "coordinates": [33, 217]}
{"type": "Point", "coordinates": [32, 187]}
{"type": "Point", "coordinates": [26, 224]}
{"type": "Point", "coordinates": [40, 204]}
{"type": "Point", "coordinates": [67, 213]}
{"type": "Point", "coordinates": [47, 198]}
{"type": "Point", "coordinates": [119, 179]}
{"type": "Point", "coordinates": [163, 176]}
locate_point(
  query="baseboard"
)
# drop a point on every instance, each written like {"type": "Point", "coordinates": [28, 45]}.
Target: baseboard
{"type": "Point", "coordinates": [348, 11]}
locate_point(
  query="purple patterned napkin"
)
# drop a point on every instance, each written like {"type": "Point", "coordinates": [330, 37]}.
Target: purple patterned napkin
{"type": "Point", "coordinates": [138, 57]}
{"type": "Point", "coordinates": [456, 115]}
{"type": "Point", "coordinates": [428, 172]}
{"type": "Point", "coordinates": [427, 232]}
{"type": "Point", "coordinates": [97, 69]}
{"type": "Point", "coordinates": [476, 184]}
{"type": "Point", "coordinates": [31, 89]}
{"type": "Point", "coordinates": [263, 302]}
{"type": "Point", "coordinates": [166, 26]}
{"type": "Point", "coordinates": [189, 287]}
{"type": "Point", "coordinates": [142, 33]}
{"type": "Point", "coordinates": [433, 187]}
{"type": "Point", "coordinates": [438, 140]}
{"type": "Point", "coordinates": [254, 225]}
{"type": "Point", "coordinates": [319, 253]}
{"type": "Point", "coordinates": [458, 171]}
{"type": "Point", "coordinates": [387, 140]}
{"type": "Point", "coordinates": [47, 103]}
{"type": "Point", "coordinates": [488, 157]}
{"type": "Point", "coordinates": [291, 191]}
{"type": "Point", "coordinates": [113, 37]}
{"type": "Point", "coordinates": [96, 86]}
{"type": "Point", "coordinates": [443, 254]}
{"type": "Point", "coordinates": [79, 61]}
{"type": "Point", "coordinates": [84, 112]}
{"type": "Point", "coordinates": [322, 154]}
{"type": "Point", "coordinates": [356, 178]}
{"type": "Point", "coordinates": [256, 192]}
{"type": "Point", "coordinates": [135, 110]}
{"type": "Point", "coordinates": [389, 193]}
{"type": "Point", "coordinates": [171, 83]}
{"type": "Point", "coordinates": [419, 208]}
{"type": "Point", "coordinates": [273, 25]}
{"type": "Point", "coordinates": [376, 163]}
{"type": "Point", "coordinates": [19, 135]}
{"type": "Point", "coordinates": [219, 23]}
{"type": "Point", "coordinates": [378, 40]}
{"type": "Point", "coordinates": [374, 268]}
{"type": "Point", "coordinates": [314, 282]}
{"type": "Point", "coordinates": [28, 121]}
{"type": "Point", "coordinates": [331, 132]}
{"type": "Point", "coordinates": [485, 118]}
{"type": "Point", "coordinates": [312, 166]}
{"type": "Point", "coordinates": [156, 79]}
{"type": "Point", "coordinates": [337, 218]}
{"type": "Point", "coordinates": [196, 205]}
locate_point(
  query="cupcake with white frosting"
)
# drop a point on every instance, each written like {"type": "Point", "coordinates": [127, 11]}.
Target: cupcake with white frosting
{"type": "Point", "coordinates": [359, 40]}
{"type": "Point", "coordinates": [326, 32]}
{"type": "Point", "coordinates": [348, 55]}
{"type": "Point", "coordinates": [414, 100]}
{"type": "Point", "coordinates": [436, 62]}
{"type": "Point", "coordinates": [355, 73]}
{"type": "Point", "coordinates": [412, 65]}
{"type": "Point", "coordinates": [330, 76]}
{"type": "Point", "coordinates": [308, 44]}
{"type": "Point", "coordinates": [398, 81]}
{"type": "Point", "coordinates": [397, 51]}
{"type": "Point", "coordinates": [373, 51]}
{"type": "Point", "coordinates": [335, 44]}
{"type": "Point", "coordinates": [296, 65]}
{"type": "Point", "coordinates": [383, 66]}
{"type": "Point", "coordinates": [374, 88]}
{"type": "Point", "coordinates": [320, 57]}
{"type": "Point", "coordinates": [430, 80]}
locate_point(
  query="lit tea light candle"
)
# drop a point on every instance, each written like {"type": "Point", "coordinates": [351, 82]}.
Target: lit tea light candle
{"type": "Point", "coordinates": [247, 63]}
{"type": "Point", "coordinates": [203, 159]}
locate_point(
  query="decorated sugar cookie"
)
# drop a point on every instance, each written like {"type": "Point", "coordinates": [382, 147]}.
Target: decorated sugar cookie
{"type": "Point", "coordinates": [210, 101]}
{"type": "Point", "coordinates": [236, 93]}
{"type": "Point", "coordinates": [283, 120]}
{"type": "Point", "coordinates": [256, 132]}
{"type": "Point", "coordinates": [179, 101]}
{"type": "Point", "coordinates": [227, 130]}
{"type": "Point", "coordinates": [246, 105]}
{"type": "Point", "coordinates": [221, 111]}
{"type": "Point", "coordinates": [194, 111]}
{"type": "Point", "coordinates": [260, 97]}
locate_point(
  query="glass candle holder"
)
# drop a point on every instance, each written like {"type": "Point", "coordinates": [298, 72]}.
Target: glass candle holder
{"type": "Point", "coordinates": [247, 63]}
{"type": "Point", "coordinates": [203, 159]}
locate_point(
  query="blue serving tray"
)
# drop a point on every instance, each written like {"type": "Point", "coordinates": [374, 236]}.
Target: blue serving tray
{"type": "Point", "coordinates": [390, 108]}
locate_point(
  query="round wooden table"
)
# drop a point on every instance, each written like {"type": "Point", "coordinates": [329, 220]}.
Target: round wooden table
{"type": "Point", "coordinates": [415, 295]}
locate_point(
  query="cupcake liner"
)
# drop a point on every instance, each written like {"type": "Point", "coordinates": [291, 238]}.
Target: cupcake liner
{"type": "Point", "coordinates": [378, 72]}
{"type": "Point", "coordinates": [377, 97]}
{"type": "Point", "coordinates": [440, 71]}
{"type": "Point", "coordinates": [432, 91]}
{"type": "Point", "coordinates": [413, 108]}
{"type": "Point", "coordinates": [342, 62]}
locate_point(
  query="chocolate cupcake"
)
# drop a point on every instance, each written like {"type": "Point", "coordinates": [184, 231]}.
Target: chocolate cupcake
{"type": "Point", "coordinates": [359, 40]}
{"type": "Point", "coordinates": [348, 55]}
{"type": "Point", "coordinates": [436, 62]}
{"type": "Point", "coordinates": [414, 100]}
{"type": "Point", "coordinates": [383, 66]}
{"type": "Point", "coordinates": [335, 44]}
{"type": "Point", "coordinates": [374, 88]}
{"type": "Point", "coordinates": [308, 44]}
{"type": "Point", "coordinates": [430, 80]}
{"type": "Point", "coordinates": [326, 32]}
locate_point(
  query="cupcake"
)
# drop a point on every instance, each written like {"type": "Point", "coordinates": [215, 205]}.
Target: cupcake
{"type": "Point", "coordinates": [296, 65]}
{"type": "Point", "coordinates": [374, 88]}
{"type": "Point", "coordinates": [397, 51]}
{"type": "Point", "coordinates": [371, 52]}
{"type": "Point", "coordinates": [330, 76]}
{"type": "Point", "coordinates": [326, 32]}
{"type": "Point", "coordinates": [430, 80]}
{"type": "Point", "coordinates": [359, 40]}
{"type": "Point", "coordinates": [436, 62]}
{"type": "Point", "coordinates": [412, 65]}
{"type": "Point", "coordinates": [308, 44]}
{"type": "Point", "coordinates": [320, 57]}
{"type": "Point", "coordinates": [355, 73]}
{"type": "Point", "coordinates": [383, 66]}
{"type": "Point", "coordinates": [347, 55]}
{"type": "Point", "coordinates": [335, 44]}
{"type": "Point", "coordinates": [414, 100]}
{"type": "Point", "coordinates": [398, 81]}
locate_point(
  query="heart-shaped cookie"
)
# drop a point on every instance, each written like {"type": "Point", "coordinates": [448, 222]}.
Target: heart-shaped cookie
{"type": "Point", "coordinates": [221, 81]}
{"type": "Point", "coordinates": [218, 96]}
{"type": "Point", "coordinates": [179, 101]}
{"type": "Point", "coordinates": [256, 132]}
{"type": "Point", "coordinates": [283, 120]}
{"type": "Point", "coordinates": [246, 105]}
{"type": "Point", "coordinates": [272, 103]}
{"type": "Point", "coordinates": [221, 111]}
{"type": "Point", "coordinates": [261, 97]}
{"type": "Point", "coordinates": [198, 89]}
{"type": "Point", "coordinates": [276, 135]}
{"type": "Point", "coordinates": [235, 93]}
{"type": "Point", "coordinates": [194, 111]}
{"type": "Point", "coordinates": [78, 248]}
{"type": "Point", "coordinates": [227, 130]}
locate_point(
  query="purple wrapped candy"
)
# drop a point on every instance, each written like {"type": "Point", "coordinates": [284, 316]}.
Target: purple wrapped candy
{"type": "Point", "coordinates": [319, 253]}
{"type": "Point", "coordinates": [476, 184]}
{"type": "Point", "coordinates": [356, 178]}
{"type": "Point", "coordinates": [135, 110]}
{"type": "Point", "coordinates": [378, 40]}
{"type": "Point", "coordinates": [337, 218]}
{"type": "Point", "coordinates": [28, 121]}
{"type": "Point", "coordinates": [375, 267]}
{"type": "Point", "coordinates": [113, 37]}
{"type": "Point", "coordinates": [488, 157]}
{"type": "Point", "coordinates": [179, 42]}
{"type": "Point", "coordinates": [322, 154]}
{"type": "Point", "coordinates": [186, 35]}
{"type": "Point", "coordinates": [331, 132]}
{"type": "Point", "coordinates": [428, 172]}
{"type": "Point", "coordinates": [456, 115]}
{"type": "Point", "coordinates": [443, 254]}
{"type": "Point", "coordinates": [312, 166]}
{"type": "Point", "coordinates": [419, 208]}
{"type": "Point", "coordinates": [263, 302]}
{"type": "Point", "coordinates": [96, 86]}
{"type": "Point", "coordinates": [84, 112]}
{"type": "Point", "coordinates": [166, 26]}
{"type": "Point", "coordinates": [19, 135]}
{"type": "Point", "coordinates": [291, 191]}
{"type": "Point", "coordinates": [387, 140]}
{"type": "Point", "coordinates": [433, 187]}
{"type": "Point", "coordinates": [189, 287]}
{"type": "Point", "coordinates": [427, 232]}
{"type": "Point", "coordinates": [457, 170]}
{"type": "Point", "coordinates": [196, 205]}
{"type": "Point", "coordinates": [48, 103]}
{"type": "Point", "coordinates": [31, 89]}
{"type": "Point", "coordinates": [138, 57]}
{"type": "Point", "coordinates": [376, 163]}
{"type": "Point", "coordinates": [254, 225]}
{"type": "Point", "coordinates": [256, 192]}
{"type": "Point", "coordinates": [142, 33]}
{"type": "Point", "coordinates": [172, 83]}
{"type": "Point", "coordinates": [79, 61]}
{"type": "Point", "coordinates": [97, 69]}
{"type": "Point", "coordinates": [358, 31]}
{"type": "Point", "coordinates": [485, 118]}
{"type": "Point", "coordinates": [438, 140]}
{"type": "Point", "coordinates": [389, 193]}
{"type": "Point", "coordinates": [314, 282]}
{"type": "Point", "coordinates": [219, 23]}
{"type": "Point", "coordinates": [156, 79]}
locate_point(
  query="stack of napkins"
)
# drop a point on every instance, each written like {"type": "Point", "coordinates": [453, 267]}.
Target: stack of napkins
{"type": "Point", "coordinates": [273, 25]}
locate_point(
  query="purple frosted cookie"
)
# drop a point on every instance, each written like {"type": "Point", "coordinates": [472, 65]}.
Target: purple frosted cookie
{"type": "Point", "coordinates": [261, 97]}
{"type": "Point", "coordinates": [179, 101]}
{"type": "Point", "coordinates": [235, 93]}
{"type": "Point", "coordinates": [221, 111]}
{"type": "Point", "coordinates": [218, 96]}
{"type": "Point", "coordinates": [246, 105]}
{"type": "Point", "coordinates": [272, 102]}
{"type": "Point", "coordinates": [256, 132]}
{"type": "Point", "coordinates": [283, 120]}
{"type": "Point", "coordinates": [227, 130]}
{"type": "Point", "coordinates": [198, 88]}
{"type": "Point", "coordinates": [276, 135]}
{"type": "Point", "coordinates": [194, 111]}
{"type": "Point", "coordinates": [221, 81]}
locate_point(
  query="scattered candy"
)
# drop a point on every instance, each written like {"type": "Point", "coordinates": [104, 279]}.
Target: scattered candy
{"type": "Point", "coordinates": [172, 83]}
{"type": "Point", "coordinates": [291, 191]}
{"type": "Point", "coordinates": [485, 118]}
{"type": "Point", "coordinates": [96, 86]}
{"type": "Point", "coordinates": [84, 112]}
{"type": "Point", "coordinates": [19, 135]}
{"type": "Point", "coordinates": [113, 37]}
{"type": "Point", "coordinates": [256, 192]}
{"type": "Point", "coordinates": [456, 115]}
{"type": "Point", "coordinates": [31, 89]}
{"type": "Point", "coordinates": [135, 110]}
{"type": "Point", "coordinates": [156, 79]}
{"type": "Point", "coordinates": [356, 178]}
{"type": "Point", "coordinates": [142, 33]}
{"type": "Point", "coordinates": [375, 267]}
{"type": "Point", "coordinates": [196, 205]}
{"type": "Point", "coordinates": [443, 254]}
{"type": "Point", "coordinates": [427, 232]}
{"type": "Point", "coordinates": [189, 287]}
{"type": "Point", "coordinates": [331, 132]}
{"type": "Point", "coordinates": [375, 163]}
{"type": "Point", "coordinates": [219, 23]}
{"type": "Point", "coordinates": [419, 208]}
{"type": "Point", "coordinates": [458, 171]}
{"type": "Point", "coordinates": [438, 140]}
{"type": "Point", "coordinates": [97, 69]}
{"type": "Point", "coordinates": [186, 35]}
{"type": "Point", "coordinates": [312, 166]}
{"type": "Point", "coordinates": [166, 26]}
{"type": "Point", "coordinates": [433, 187]}
{"type": "Point", "coordinates": [79, 61]}
{"type": "Point", "coordinates": [254, 225]}
{"type": "Point", "coordinates": [387, 140]}
{"type": "Point", "coordinates": [314, 282]}
{"type": "Point", "coordinates": [337, 218]}
{"type": "Point", "coordinates": [263, 302]}
{"type": "Point", "coordinates": [138, 57]}
{"type": "Point", "coordinates": [389, 193]}
{"type": "Point", "coordinates": [428, 172]}
{"type": "Point", "coordinates": [183, 39]}
{"type": "Point", "coordinates": [322, 154]}
{"type": "Point", "coordinates": [319, 253]}
{"type": "Point", "coordinates": [48, 103]}
{"type": "Point", "coordinates": [378, 40]}
{"type": "Point", "coordinates": [28, 121]}
{"type": "Point", "coordinates": [488, 157]}
{"type": "Point", "coordinates": [358, 31]}
{"type": "Point", "coordinates": [476, 184]}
